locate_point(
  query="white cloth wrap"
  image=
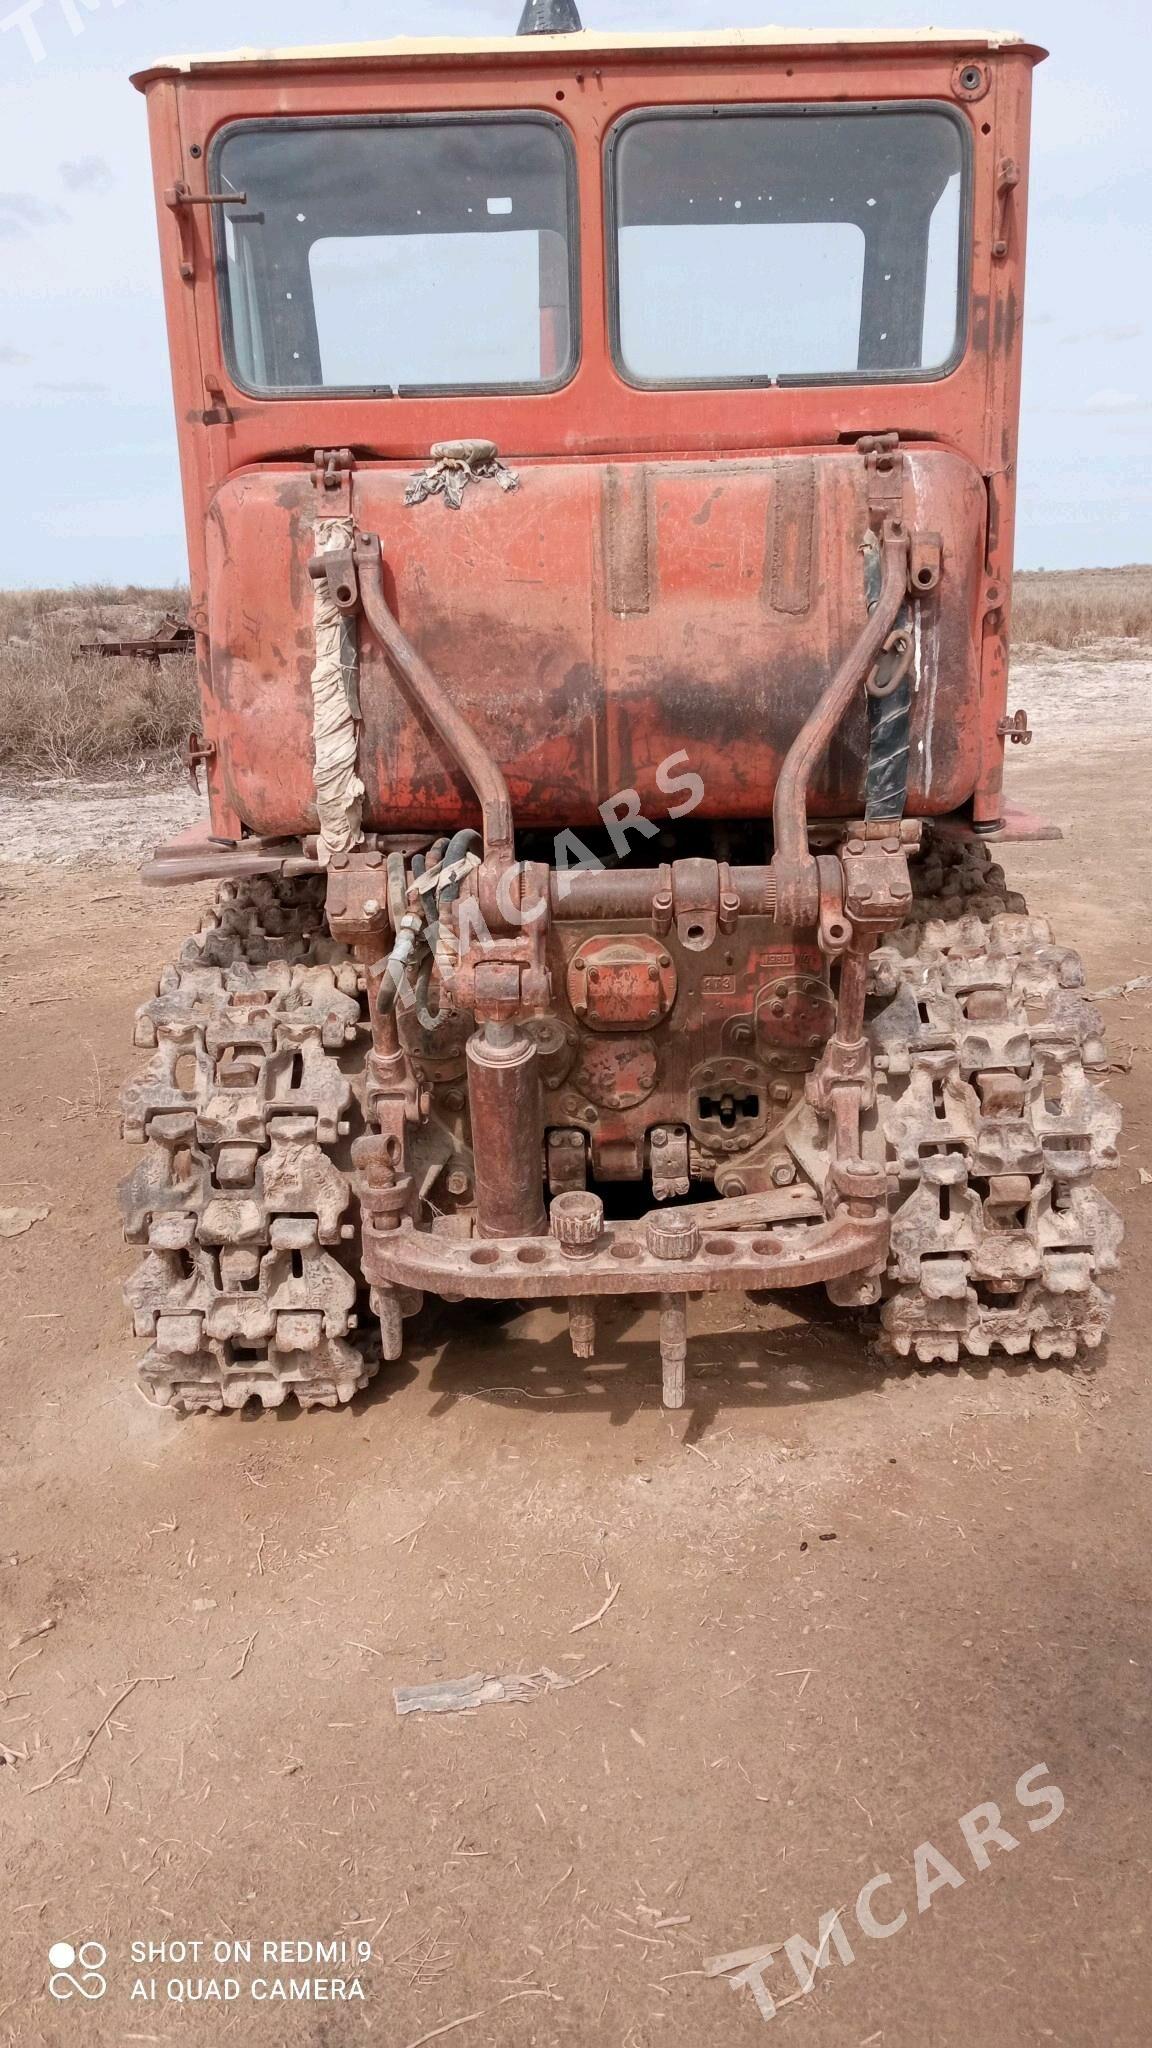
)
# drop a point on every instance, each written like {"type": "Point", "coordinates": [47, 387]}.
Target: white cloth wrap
{"type": "Point", "coordinates": [339, 790]}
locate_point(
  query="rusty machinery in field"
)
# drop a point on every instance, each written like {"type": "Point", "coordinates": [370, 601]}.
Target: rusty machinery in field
{"type": "Point", "coordinates": [599, 459]}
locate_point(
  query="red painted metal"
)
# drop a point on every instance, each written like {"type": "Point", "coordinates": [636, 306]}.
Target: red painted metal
{"type": "Point", "coordinates": [514, 601]}
{"type": "Point", "coordinates": [969, 416]}
{"type": "Point", "coordinates": [705, 599]}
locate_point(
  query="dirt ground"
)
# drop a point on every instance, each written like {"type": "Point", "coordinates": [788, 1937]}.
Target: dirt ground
{"type": "Point", "coordinates": [848, 1604]}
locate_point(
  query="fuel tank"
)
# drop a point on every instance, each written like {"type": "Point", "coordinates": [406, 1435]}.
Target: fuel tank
{"type": "Point", "coordinates": [591, 624]}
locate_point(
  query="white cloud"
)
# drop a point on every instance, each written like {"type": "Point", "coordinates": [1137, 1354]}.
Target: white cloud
{"type": "Point", "coordinates": [1131, 331]}
{"type": "Point", "coordinates": [20, 212]}
{"type": "Point", "coordinates": [1116, 402]}
{"type": "Point", "coordinates": [87, 174]}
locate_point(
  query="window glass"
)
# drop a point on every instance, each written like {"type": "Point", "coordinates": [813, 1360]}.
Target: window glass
{"type": "Point", "coordinates": [398, 255]}
{"type": "Point", "coordinates": [783, 243]}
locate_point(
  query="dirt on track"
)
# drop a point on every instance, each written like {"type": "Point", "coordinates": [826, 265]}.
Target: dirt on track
{"type": "Point", "coordinates": [851, 1604]}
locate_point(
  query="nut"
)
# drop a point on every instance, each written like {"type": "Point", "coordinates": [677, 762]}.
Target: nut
{"type": "Point", "coordinates": [673, 1235]}
{"type": "Point", "coordinates": [576, 1221]}
{"type": "Point", "coordinates": [783, 1174]}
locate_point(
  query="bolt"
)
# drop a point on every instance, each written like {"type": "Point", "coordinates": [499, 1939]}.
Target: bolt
{"type": "Point", "coordinates": [580, 965]}
{"type": "Point", "coordinates": [815, 1042]}
{"type": "Point", "coordinates": [453, 1098]}
{"type": "Point", "coordinates": [733, 1186]}
{"type": "Point", "coordinates": [457, 1183]}
{"type": "Point", "coordinates": [780, 1091]}
{"type": "Point", "coordinates": [659, 1137]}
{"type": "Point", "coordinates": [749, 1073]}
{"type": "Point", "coordinates": [782, 988]}
{"type": "Point", "coordinates": [595, 974]}
{"type": "Point", "coordinates": [653, 974]}
{"type": "Point", "coordinates": [371, 907]}
{"type": "Point", "coordinates": [652, 1015]}
{"type": "Point", "coordinates": [777, 1009]}
{"type": "Point", "coordinates": [784, 1174]}
{"type": "Point", "coordinates": [665, 960]}
{"type": "Point", "coordinates": [741, 1033]}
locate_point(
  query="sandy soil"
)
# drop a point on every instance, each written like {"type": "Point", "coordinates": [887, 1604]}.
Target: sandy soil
{"type": "Point", "coordinates": [852, 1604]}
{"type": "Point", "coordinates": [89, 824]}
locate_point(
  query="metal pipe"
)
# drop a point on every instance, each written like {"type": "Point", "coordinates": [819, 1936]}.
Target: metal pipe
{"type": "Point", "coordinates": [585, 893]}
{"type": "Point", "coordinates": [790, 803]}
{"type": "Point", "coordinates": [428, 697]}
{"type": "Point", "coordinates": [507, 1118]}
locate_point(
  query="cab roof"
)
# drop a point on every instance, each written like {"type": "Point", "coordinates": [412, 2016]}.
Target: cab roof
{"type": "Point", "coordinates": [405, 52]}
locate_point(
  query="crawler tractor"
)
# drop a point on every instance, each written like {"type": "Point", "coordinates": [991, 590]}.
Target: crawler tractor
{"type": "Point", "coordinates": [599, 459]}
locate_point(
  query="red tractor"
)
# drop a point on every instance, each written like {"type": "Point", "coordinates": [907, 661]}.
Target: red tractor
{"type": "Point", "coordinates": [599, 460]}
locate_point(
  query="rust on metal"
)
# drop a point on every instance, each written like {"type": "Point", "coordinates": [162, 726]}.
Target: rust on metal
{"type": "Point", "coordinates": [793, 540]}
{"type": "Point", "coordinates": [612, 987]}
{"type": "Point", "coordinates": [175, 636]}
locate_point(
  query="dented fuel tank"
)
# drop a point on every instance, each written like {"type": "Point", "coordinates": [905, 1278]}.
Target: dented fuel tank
{"type": "Point", "coordinates": [591, 624]}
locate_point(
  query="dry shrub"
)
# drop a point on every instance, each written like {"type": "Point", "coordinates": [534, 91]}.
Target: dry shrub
{"type": "Point", "coordinates": [63, 714]}
{"type": "Point", "coordinates": [1075, 608]}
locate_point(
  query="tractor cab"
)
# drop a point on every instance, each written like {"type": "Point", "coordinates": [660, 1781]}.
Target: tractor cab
{"type": "Point", "coordinates": [663, 286]}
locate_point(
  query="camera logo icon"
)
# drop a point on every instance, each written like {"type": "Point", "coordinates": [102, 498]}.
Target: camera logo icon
{"type": "Point", "coordinates": [88, 1960]}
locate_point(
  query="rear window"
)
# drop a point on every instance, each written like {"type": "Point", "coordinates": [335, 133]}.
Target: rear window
{"type": "Point", "coordinates": [769, 245]}
{"type": "Point", "coordinates": [399, 255]}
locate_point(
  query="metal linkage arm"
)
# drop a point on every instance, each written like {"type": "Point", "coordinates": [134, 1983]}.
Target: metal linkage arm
{"type": "Point", "coordinates": [792, 862]}
{"type": "Point", "coordinates": [428, 697]}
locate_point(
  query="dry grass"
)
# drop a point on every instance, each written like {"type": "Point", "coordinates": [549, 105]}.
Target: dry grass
{"type": "Point", "coordinates": [67, 716]}
{"type": "Point", "coordinates": [1076, 608]}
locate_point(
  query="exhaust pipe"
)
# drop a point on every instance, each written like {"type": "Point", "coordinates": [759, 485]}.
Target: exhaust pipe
{"type": "Point", "coordinates": [550, 18]}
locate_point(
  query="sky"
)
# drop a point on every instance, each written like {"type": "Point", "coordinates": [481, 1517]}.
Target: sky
{"type": "Point", "coordinates": [85, 404]}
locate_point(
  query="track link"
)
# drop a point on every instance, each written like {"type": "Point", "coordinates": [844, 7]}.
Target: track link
{"type": "Point", "coordinates": [992, 1121]}
{"type": "Point", "coordinates": [248, 1287]}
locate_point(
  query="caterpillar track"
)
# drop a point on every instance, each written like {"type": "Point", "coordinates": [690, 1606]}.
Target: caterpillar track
{"type": "Point", "coordinates": [992, 1121]}
{"type": "Point", "coordinates": [988, 1115]}
{"type": "Point", "coordinates": [249, 1285]}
